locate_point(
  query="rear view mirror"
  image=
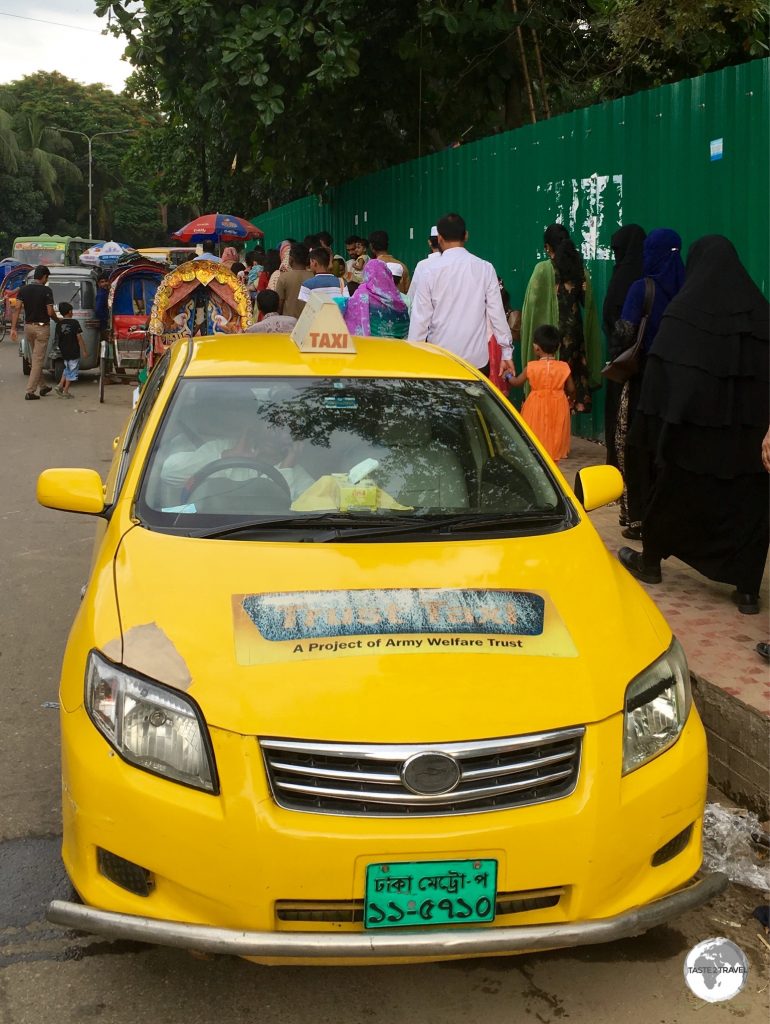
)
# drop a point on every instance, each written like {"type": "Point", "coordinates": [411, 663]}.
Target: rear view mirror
{"type": "Point", "coordinates": [598, 485]}
{"type": "Point", "coordinates": [71, 490]}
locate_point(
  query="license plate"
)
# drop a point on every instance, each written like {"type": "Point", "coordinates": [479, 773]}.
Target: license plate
{"type": "Point", "coordinates": [440, 892]}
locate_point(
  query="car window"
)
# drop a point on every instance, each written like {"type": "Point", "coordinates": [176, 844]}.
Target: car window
{"type": "Point", "coordinates": [144, 407]}
{"type": "Point", "coordinates": [230, 448]}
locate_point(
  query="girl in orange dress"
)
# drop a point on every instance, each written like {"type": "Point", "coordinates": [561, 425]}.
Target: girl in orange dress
{"type": "Point", "coordinates": [547, 409]}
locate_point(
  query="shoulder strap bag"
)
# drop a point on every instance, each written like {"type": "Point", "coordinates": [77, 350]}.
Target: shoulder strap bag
{"type": "Point", "coordinates": [628, 363]}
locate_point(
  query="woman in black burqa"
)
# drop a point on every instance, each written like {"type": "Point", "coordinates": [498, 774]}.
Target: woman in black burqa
{"type": "Point", "coordinates": [627, 245]}
{"type": "Point", "coordinates": [702, 414]}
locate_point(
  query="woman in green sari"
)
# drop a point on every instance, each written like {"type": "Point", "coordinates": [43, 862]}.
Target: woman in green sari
{"type": "Point", "coordinates": [560, 293]}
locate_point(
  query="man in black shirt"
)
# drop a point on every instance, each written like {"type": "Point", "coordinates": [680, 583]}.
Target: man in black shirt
{"type": "Point", "coordinates": [37, 299]}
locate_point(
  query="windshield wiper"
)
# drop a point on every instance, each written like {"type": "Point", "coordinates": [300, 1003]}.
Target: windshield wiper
{"type": "Point", "coordinates": [519, 519]}
{"type": "Point", "coordinates": [344, 525]}
{"type": "Point", "coordinates": [334, 519]}
{"type": "Point", "coordinates": [483, 522]}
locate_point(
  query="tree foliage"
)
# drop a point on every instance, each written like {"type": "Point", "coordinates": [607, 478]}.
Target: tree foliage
{"type": "Point", "coordinates": [37, 110]}
{"type": "Point", "coordinates": [21, 211]}
{"type": "Point", "coordinates": [669, 41]}
{"type": "Point", "coordinates": [264, 101]}
{"type": "Point", "coordinates": [45, 146]}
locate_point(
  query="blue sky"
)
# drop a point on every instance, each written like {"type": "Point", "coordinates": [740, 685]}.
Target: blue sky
{"type": "Point", "coordinates": [74, 46]}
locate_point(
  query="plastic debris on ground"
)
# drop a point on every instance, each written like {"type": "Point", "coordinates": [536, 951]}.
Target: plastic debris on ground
{"type": "Point", "coordinates": [728, 846]}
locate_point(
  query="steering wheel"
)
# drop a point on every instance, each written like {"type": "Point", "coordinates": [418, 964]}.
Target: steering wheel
{"type": "Point", "coordinates": [235, 462]}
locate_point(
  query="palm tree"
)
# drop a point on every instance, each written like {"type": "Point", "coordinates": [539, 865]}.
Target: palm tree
{"type": "Point", "coordinates": [44, 147]}
{"type": "Point", "coordinates": [9, 145]}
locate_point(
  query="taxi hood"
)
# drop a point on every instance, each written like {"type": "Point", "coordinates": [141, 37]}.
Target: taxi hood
{"type": "Point", "coordinates": [394, 642]}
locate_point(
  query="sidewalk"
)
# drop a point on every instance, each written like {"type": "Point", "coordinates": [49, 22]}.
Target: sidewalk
{"type": "Point", "coordinates": [732, 683]}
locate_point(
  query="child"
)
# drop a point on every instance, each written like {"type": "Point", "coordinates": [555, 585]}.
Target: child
{"type": "Point", "coordinates": [71, 346]}
{"type": "Point", "coordinates": [547, 409]}
{"type": "Point", "coordinates": [323, 281]}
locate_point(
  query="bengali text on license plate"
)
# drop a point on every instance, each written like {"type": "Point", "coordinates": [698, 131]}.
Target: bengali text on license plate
{"type": "Point", "coordinates": [430, 892]}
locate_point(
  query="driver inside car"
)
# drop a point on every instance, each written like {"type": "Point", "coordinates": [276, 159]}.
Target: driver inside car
{"type": "Point", "coordinates": [262, 442]}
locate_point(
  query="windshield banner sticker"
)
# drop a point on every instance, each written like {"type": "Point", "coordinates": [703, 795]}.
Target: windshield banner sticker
{"type": "Point", "coordinates": [337, 623]}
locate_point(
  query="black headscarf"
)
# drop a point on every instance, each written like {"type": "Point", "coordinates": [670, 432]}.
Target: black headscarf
{"type": "Point", "coordinates": [704, 404]}
{"type": "Point", "coordinates": [718, 295]}
{"type": "Point", "coordinates": [628, 245]}
{"type": "Point", "coordinates": [567, 261]}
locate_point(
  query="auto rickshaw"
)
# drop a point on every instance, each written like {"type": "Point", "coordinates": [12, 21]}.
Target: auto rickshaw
{"type": "Point", "coordinates": [201, 297]}
{"type": "Point", "coordinates": [76, 285]}
{"type": "Point", "coordinates": [133, 286]}
{"type": "Point", "coordinates": [13, 280]}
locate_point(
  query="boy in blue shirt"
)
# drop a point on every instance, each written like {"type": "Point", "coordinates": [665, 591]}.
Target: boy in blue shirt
{"type": "Point", "coordinates": [72, 347]}
{"type": "Point", "coordinates": [322, 282]}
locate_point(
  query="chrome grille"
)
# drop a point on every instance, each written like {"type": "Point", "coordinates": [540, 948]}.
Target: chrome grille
{"type": "Point", "coordinates": [365, 779]}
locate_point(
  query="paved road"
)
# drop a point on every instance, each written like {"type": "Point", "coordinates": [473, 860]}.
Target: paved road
{"type": "Point", "coordinates": [48, 975]}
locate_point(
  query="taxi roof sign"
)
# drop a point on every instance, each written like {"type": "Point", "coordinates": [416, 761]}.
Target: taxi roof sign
{"type": "Point", "coordinates": [321, 328]}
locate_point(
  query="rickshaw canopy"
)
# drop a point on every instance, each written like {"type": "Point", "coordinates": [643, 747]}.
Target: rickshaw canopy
{"type": "Point", "coordinates": [14, 278]}
{"type": "Point", "coordinates": [133, 288]}
{"type": "Point", "coordinates": [200, 297]}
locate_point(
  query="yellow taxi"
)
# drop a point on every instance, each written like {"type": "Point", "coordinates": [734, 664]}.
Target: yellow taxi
{"type": "Point", "coordinates": [354, 678]}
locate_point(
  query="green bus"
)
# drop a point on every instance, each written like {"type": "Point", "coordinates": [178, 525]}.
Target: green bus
{"type": "Point", "coordinates": [51, 250]}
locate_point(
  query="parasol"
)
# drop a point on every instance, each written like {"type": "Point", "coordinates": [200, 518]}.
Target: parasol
{"type": "Point", "coordinates": [217, 227]}
{"type": "Point", "coordinates": [106, 254]}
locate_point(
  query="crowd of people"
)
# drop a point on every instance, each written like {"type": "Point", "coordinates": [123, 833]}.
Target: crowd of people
{"type": "Point", "coordinates": [686, 428]}
{"type": "Point", "coordinates": [688, 424]}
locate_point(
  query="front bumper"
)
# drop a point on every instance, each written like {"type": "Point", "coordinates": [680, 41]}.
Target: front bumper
{"type": "Point", "coordinates": [412, 944]}
{"type": "Point", "coordinates": [229, 864]}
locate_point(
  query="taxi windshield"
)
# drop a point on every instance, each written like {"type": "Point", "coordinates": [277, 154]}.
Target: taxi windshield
{"type": "Point", "coordinates": [241, 450]}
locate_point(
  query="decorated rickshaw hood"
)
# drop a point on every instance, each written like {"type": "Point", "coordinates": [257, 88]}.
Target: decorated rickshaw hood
{"type": "Point", "coordinates": [179, 284]}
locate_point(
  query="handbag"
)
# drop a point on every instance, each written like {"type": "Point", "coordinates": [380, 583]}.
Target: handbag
{"type": "Point", "coordinates": [629, 363]}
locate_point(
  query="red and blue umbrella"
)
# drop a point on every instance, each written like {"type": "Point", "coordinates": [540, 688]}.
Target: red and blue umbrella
{"type": "Point", "coordinates": [217, 227]}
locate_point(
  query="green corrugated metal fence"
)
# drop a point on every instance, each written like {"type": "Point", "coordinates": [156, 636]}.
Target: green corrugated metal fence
{"type": "Point", "coordinates": [644, 159]}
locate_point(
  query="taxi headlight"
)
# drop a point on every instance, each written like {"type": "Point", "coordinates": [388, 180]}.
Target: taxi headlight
{"type": "Point", "coordinates": [657, 704]}
{"type": "Point", "coordinates": [150, 725]}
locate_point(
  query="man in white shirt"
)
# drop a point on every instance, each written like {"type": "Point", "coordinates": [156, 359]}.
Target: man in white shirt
{"type": "Point", "coordinates": [457, 304]}
{"type": "Point", "coordinates": [424, 265]}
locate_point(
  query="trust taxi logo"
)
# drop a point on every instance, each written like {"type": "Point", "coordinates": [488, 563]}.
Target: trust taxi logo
{"type": "Point", "coordinates": [287, 625]}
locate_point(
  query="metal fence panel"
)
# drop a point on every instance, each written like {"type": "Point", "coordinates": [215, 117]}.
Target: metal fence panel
{"type": "Point", "coordinates": [692, 156]}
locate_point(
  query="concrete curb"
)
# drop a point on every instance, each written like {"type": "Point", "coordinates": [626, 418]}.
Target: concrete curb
{"type": "Point", "coordinates": [739, 746]}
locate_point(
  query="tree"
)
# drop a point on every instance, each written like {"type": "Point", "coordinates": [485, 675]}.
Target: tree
{"type": "Point", "coordinates": [9, 144]}
{"type": "Point", "coordinates": [669, 41]}
{"type": "Point", "coordinates": [51, 170]}
{"type": "Point", "coordinates": [278, 98]}
{"type": "Point", "coordinates": [21, 211]}
{"type": "Point", "coordinates": [124, 196]}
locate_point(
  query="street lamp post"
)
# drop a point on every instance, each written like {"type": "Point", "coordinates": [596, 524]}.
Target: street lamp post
{"type": "Point", "coordinates": [89, 139]}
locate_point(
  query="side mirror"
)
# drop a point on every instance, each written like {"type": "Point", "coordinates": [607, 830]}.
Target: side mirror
{"type": "Point", "coordinates": [598, 485]}
{"type": "Point", "coordinates": [71, 490]}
